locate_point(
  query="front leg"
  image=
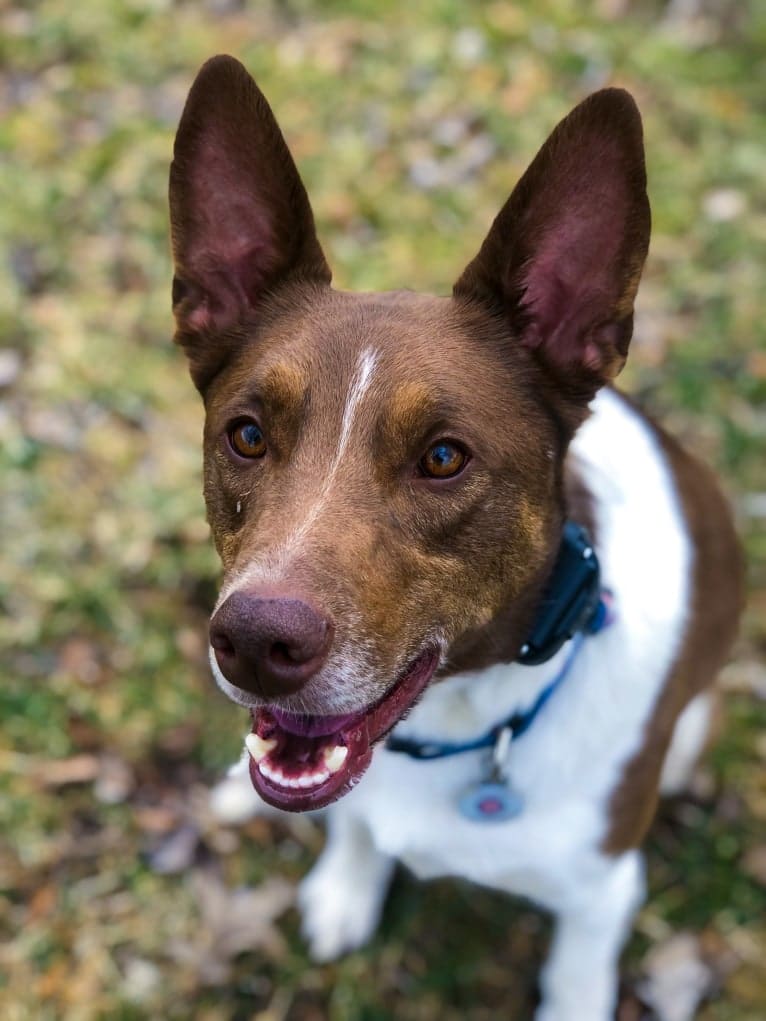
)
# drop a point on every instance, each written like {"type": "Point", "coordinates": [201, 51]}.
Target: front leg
{"type": "Point", "coordinates": [342, 897]}
{"type": "Point", "coordinates": [580, 978]}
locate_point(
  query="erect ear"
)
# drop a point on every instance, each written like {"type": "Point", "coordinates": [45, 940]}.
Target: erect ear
{"type": "Point", "coordinates": [240, 218]}
{"type": "Point", "coordinates": [564, 256]}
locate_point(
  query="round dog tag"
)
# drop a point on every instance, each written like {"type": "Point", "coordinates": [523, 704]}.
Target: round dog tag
{"type": "Point", "coordinates": [490, 802]}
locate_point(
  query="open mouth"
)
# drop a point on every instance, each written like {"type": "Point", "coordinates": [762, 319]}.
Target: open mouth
{"type": "Point", "coordinates": [300, 762]}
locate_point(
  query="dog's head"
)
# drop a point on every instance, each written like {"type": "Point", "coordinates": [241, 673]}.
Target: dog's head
{"type": "Point", "coordinates": [383, 472]}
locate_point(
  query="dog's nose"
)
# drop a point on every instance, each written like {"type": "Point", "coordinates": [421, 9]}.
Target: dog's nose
{"type": "Point", "coordinates": [269, 646]}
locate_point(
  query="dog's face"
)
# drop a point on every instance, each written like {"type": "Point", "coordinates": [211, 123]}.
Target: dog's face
{"type": "Point", "coordinates": [383, 472]}
{"type": "Point", "coordinates": [408, 508]}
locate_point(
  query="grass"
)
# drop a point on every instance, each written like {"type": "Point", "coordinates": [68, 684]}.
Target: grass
{"type": "Point", "coordinates": [111, 730]}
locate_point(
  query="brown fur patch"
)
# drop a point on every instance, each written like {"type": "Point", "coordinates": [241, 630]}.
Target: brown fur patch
{"type": "Point", "coordinates": [717, 600]}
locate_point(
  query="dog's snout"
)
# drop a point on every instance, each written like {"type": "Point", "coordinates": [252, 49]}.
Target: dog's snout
{"type": "Point", "coordinates": [269, 646]}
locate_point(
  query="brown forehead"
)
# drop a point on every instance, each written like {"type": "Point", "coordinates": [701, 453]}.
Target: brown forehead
{"type": "Point", "coordinates": [430, 358]}
{"type": "Point", "coordinates": [407, 332]}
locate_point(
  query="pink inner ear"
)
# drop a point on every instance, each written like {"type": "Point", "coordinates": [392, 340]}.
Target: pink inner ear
{"type": "Point", "coordinates": [564, 254]}
{"type": "Point", "coordinates": [223, 285]}
{"type": "Point", "coordinates": [234, 248]}
{"type": "Point", "coordinates": [570, 284]}
{"type": "Point", "coordinates": [241, 222]}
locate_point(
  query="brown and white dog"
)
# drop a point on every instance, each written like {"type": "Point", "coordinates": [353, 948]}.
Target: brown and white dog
{"type": "Point", "coordinates": [387, 477]}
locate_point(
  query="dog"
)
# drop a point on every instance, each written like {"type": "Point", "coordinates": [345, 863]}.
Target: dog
{"type": "Point", "coordinates": [473, 598]}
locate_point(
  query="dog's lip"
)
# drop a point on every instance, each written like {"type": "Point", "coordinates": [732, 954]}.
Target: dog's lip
{"type": "Point", "coordinates": [308, 737]}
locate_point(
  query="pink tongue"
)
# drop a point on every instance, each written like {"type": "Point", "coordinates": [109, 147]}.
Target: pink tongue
{"type": "Point", "coordinates": [311, 726]}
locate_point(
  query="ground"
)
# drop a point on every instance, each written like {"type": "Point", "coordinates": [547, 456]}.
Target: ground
{"type": "Point", "coordinates": [120, 897]}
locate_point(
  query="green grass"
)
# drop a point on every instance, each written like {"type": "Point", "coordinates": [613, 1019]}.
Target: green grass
{"type": "Point", "coordinates": [107, 572]}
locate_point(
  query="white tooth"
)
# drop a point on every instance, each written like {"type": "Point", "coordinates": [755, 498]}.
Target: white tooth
{"type": "Point", "coordinates": [277, 777]}
{"type": "Point", "coordinates": [335, 757]}
{"type": "Point", "coordinates": [271, 773]}
{"type": "Point", "coordinates": [314, 779]}
{"type": "Point", "coordinates": [259, 747]}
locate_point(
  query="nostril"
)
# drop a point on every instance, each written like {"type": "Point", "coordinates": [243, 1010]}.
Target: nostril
{"type": "Point", "coordinates": [222, 643]}
{"type": "Point", "coordinates": [279, 653]}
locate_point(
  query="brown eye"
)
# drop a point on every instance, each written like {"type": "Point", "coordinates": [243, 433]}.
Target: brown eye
{"type": "Point", "coordinates": [443, 460]}
{"type": "Point", "coordinates": [247, 440]}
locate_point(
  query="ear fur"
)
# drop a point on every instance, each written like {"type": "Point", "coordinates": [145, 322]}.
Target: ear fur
{"type": "Point", "coordinates": [241, 222]}
{"type": "Point", "coordinates": [563, 258]}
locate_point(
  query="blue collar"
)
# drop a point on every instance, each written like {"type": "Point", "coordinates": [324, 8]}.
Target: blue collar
{"type": "Point", "coordinates": [574, 605]}
{"type": "Point", "coordinates": [571, 601]}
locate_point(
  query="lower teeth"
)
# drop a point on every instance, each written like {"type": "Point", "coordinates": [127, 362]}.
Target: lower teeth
{"type": "Point", "coordinates": [298, 781]}
{"type": "Point", "coordinates": [259, 749]}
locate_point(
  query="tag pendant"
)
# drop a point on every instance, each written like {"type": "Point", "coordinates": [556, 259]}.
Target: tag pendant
{"type": "Point", "coordinates": [490, 801]}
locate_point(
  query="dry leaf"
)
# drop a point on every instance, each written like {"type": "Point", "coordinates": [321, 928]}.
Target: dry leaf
{"type": "Point", "coordinates": [115, 780]}
{"type": "Point", "coordinates": [754, 863]}
{"type": "Point", "coordinates": [232, 921]}
{"type": "Point", "coordinates": [677, 979]}
{"type": "Point", "coordinates": [60, 772]}
{"type": "Point", "coordinates": [176, 852]}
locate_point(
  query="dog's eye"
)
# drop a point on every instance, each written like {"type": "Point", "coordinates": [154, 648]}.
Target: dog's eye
{"type": "Point", "coordinates": [247, 439]}
{"type": "Point", "coordinates": [443, 460]}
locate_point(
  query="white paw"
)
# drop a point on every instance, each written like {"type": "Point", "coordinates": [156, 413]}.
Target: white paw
{"type": "Point", "coordinates": [233, 801]}
{"type": "Point", "coordinates": [594, 1001]}
{"type": "Point", "coordinates": [588, 994]}
{"type": "Point", "coordinates": [340, 909]}
{"type": "Point", "coordinates": [572, 1012]}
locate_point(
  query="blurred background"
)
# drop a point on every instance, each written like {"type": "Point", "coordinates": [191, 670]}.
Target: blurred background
{"type": "Point", "coordinates": [120, 897]}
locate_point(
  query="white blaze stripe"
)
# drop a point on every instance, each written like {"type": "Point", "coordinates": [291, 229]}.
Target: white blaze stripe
{"type": "Point", "coordinates": [359, 386]}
